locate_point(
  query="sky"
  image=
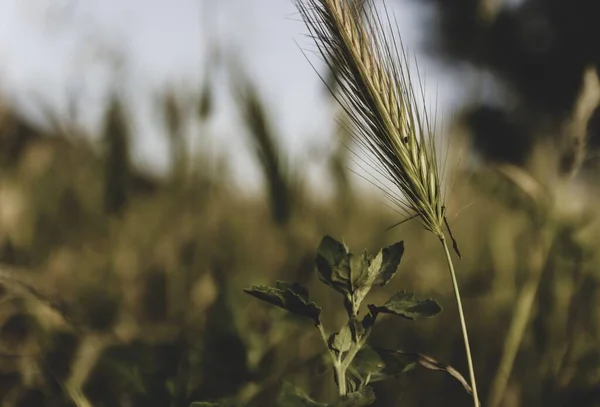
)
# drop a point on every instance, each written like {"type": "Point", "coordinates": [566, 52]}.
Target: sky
{"type": "Point", "coordinates": [51, 49]}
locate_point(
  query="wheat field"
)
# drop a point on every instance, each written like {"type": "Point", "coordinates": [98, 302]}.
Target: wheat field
{"type": "Point", "coordinates": [122, 288]}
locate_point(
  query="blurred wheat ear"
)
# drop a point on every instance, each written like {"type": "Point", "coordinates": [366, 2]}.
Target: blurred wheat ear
{"type": "Point", "coordinates": [267, 149]}
{"type": "Point", "coordinates": [375, 89]}
{"type": "Point", "coordinates": [118, 166]}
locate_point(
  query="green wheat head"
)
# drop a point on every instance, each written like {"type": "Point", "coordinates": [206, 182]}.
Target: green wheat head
{"type": "Point", "coordinates": [376, 91]}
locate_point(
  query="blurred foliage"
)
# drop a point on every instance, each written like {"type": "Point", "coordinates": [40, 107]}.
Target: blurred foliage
{"type": "Point", "coordinates": [120, 288]}
{"type": "Point", "coordinates": [538, 50]}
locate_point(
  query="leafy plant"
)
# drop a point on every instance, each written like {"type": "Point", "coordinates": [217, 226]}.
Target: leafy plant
{"type": "Point", "coordinates": [355, 364]}
{"type": "Point", "coordinates": [377, 93]}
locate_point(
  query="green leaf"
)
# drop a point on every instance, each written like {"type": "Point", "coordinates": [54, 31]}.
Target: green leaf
{"type": "Point", "coordinates": [369, 271]}
{"type": "Point", "coordinates": [405, 305]}
{"type": "Point", "coordinates": [363, 397]}
{"type": "Point", "coordinates": [368, 320]}
{"type": "Point", "coordinates": [354, 275]}
{"type": "Point", "coordinates": [290, 396]}
{"type": "Point", "coordinates": [291, 297]}
{"type": "Point", "coordinates": [374, 365]}
{"type": "Point", "coordinates": [364, 271]}
{"type": "Point", "coordinates": [342, 341]}
{"type": "Point", "coordinates": [333, 264]}
{"type": "Point", "coordinates": [204, 404]}
{"type": "Point", "coordinates": [390, 260]}
{"type": "Point", "coordinates": [380, 364]}
{"type": "Point", "coordinates": [357, 329]}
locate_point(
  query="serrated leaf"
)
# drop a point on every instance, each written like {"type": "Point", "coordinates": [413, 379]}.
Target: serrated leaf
{"type": "Point", "coordinates": [377, 270]}
{"type": "Point", "coordinates": [291, 297]}
{"type": "Point", "coordinates": [290, 396]}
{"type": "Point", "coordinates": [374, 271]}
{"type": "Point", "coordinates": [363, 397]}
{"type": "Point", "coordinates": [342, 341]}
{"type": "Point", "coordinates": [299, 290]}
{"type": "Point", "coordinates": [405, 305]}
{"type": "Point", "coordinates": [360, 272]}
{"type": "Point", "coordinates": [333, 264]}
{"type": "Point", "coordinates": [354, 275]}
{"type": "Point", "coordinates": [390, 260]}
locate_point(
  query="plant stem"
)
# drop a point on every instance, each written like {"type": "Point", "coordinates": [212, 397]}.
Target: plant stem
{"type": "Point", "coordinates": [340, 369]}
{"type": "Point", "coordinates": [355, 349]}
{"type": "Point", "coordinates": [326, 341]}
{"type": "Point", "coordinates": [462, 320]}
{"type": "Point", "coordinates": [347, 361]}
{"type": "Point", "coordinates": [338, 366]}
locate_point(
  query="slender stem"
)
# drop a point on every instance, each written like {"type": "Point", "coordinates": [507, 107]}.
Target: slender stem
{"type": "Point", "coordinates": [325, 341]}
{"type": "Point", "coordinates": [356, 348]}
{"type": "Point", "coordinates": [338, 366]}
{"type": "Point", "coordinates": [341, 376]}
{"type": "Point", "coordinates": [341, 365]}
{"type": "Point", "coordinates": [462, 321]}
{"type": "Point", "coordinates": [347, 361]}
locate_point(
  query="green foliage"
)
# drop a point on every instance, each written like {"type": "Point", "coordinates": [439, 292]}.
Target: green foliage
{"type": "Point", "coordinates": [291, 297]}
{"type": "Point", "coordinates": [78, 307]}
{"type": "Point", "coordinates": [376, 364]}
{"type": "Point", "coordinates": [342, 341]}
{"type": "Point", "coordinates": [405, 305]}
{"type": "Point", "coordinates": [353, 276]}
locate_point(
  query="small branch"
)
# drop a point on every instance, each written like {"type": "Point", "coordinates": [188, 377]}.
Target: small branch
{"type": "Point", "coordinates": [326, 341]}
{"type": "Point", "coordinates": [341, 365]}
{"type": "Point", "coordinates": [355, 349]}
{"type": "Point", "coordinates": [347, 361]}
{"type": "Point", "coordinates": [340, 372]}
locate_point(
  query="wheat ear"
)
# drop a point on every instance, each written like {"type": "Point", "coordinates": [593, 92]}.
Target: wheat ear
{"type": "Point", "coordinates": [375, 90]}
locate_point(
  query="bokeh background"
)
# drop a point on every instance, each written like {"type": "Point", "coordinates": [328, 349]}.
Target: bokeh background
{"type": "Point", "coordinates": [158, 157]}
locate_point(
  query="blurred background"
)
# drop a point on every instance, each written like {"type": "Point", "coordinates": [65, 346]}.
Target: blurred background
{"type": "Point", "coordinates": [158, 157]}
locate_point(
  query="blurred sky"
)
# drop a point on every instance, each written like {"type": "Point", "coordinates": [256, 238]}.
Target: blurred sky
{"type": "Point", "coordinates": [51, 49]}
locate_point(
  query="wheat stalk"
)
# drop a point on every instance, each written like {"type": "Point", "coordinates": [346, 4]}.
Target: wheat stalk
{"type": "Point", "coordinates": [375, 90]}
